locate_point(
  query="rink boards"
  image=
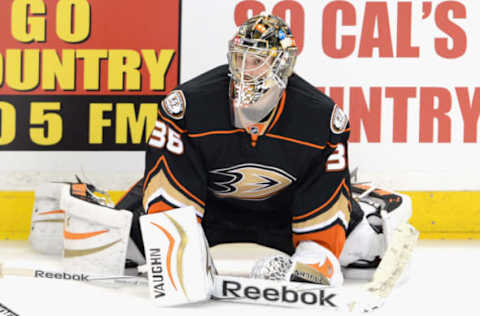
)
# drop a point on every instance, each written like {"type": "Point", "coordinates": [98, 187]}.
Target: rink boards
{"type": "Point", "coordinates": [436, 214]}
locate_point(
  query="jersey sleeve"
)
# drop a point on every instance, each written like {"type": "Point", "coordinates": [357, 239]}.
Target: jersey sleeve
{"type": "Point", "coordinates": [174, 172]}
{"type": "Point", "coordinates": [322, 203]}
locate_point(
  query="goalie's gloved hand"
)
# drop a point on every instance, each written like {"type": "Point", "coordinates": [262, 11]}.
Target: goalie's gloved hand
{"type": "Point", "coordinates": [90, 193]}
{"type": "Point", "coordinates": [314, 261]}
{"type": "Point", "coordinates": [274, 267]}
{"type": "Point", "coordinates": [310, 263]}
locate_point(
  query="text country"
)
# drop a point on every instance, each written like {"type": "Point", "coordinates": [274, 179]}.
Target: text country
{"type": "Point", "coordinates": [444, 114]}
{"type": "Point", "coordinates": [43, 69]}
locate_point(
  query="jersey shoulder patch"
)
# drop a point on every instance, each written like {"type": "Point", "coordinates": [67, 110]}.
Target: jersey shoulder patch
{"type": "Point", "coordinates": [175, 104]}
{"type": "Point", "coordinates": [338, 121]}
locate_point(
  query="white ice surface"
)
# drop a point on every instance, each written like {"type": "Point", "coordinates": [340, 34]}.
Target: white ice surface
{"type": "Point", "coordinates": [444, 281]}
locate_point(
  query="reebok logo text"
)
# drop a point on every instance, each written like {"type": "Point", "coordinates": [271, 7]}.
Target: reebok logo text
{"type": "Point", "coordinates": [285, 295]}
{"type": "Point", "coordinates": [62, 276]}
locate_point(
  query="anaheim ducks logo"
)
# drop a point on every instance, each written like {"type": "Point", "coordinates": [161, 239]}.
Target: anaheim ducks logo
{"type": "Point", "coordinates": [249, 181]}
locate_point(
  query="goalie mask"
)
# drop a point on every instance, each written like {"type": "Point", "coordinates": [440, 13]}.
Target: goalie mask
{"type": "Point", "coordinates": [261, 57]}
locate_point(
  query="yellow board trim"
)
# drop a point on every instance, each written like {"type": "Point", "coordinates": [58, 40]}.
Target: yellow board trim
{"type": "Point", "coordinates": [436, 214]}
{"type": "Point", "coordinates": [446, 214]}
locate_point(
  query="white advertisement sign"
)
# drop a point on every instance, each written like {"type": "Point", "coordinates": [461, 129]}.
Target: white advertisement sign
{"type": "Point", "coordinates": [402, 70]}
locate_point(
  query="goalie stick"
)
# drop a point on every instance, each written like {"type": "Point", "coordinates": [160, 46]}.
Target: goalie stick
{"type": "Point", "coordinates": [106, 280]}
{"type": "Point", "coordinates": [372, 296]}
{"type": "Point", "coordinates": [280, 293]}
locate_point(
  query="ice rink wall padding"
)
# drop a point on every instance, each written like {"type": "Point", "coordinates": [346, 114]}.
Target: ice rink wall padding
{"type": "Point", "coordinates": [437, 215]}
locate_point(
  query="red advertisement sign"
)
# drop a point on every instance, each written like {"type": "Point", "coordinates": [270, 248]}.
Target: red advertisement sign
{"type": "Point", "coordinates": [60, 59]}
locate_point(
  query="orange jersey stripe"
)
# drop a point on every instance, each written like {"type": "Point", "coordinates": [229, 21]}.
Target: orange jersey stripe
{"type": "Point", "coordinates": [233, 131]}
{"type": "Point", "coordinates": [162, 159]}
{"type": "Point", "coordinates": [169, 252]}
{"type": "Point", "coordinates": [333, 239]}
{"type": "Point", "coordinates": [181, 186]}
{"type": "Point", "coordinates": [337, 190]}
{"type": "Point", "coordinates": [159, 207]}
{"type": "Point", "coordinates": [348, 190]}
{"type": "Point", "coordinates": [147, 178]}
{"type": "Point", "coordinates": [178, 129]}
{"type": "Point", "coordinates": [77, 236]}
{"type": "Point", "coordinates": [295, 141]}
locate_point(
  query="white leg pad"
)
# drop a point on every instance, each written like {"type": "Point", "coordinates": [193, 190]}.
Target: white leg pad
{"type": "Point", "coordinates": [398, 217]}
{"type": "Point", "coordinates": [179, 265]}
{"type": "Point", "coordinates": [363, 243]}
{"type": "Point", "coordinates": [95, 237]}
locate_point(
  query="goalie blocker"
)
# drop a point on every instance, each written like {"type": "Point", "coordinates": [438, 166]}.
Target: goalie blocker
{"type": "Point", "coordinates": [71, 220]}
{"type": "Point", "coordinates": [95, 236]}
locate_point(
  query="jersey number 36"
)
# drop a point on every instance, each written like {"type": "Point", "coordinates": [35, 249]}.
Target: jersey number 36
{"type": "Point", "coordinates": [163, 135]}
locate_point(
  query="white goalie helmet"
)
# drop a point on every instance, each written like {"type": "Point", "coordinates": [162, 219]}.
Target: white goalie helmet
{"type": "Point", "coordinates": [261, 57]}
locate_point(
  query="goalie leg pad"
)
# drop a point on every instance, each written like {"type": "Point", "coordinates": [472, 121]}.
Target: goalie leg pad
{"type": "Point", "coordinates": [95, 236]}
{"type": "Point", "coordinates": [397, 217]}
{"type": "Point", "coordinates": [362, 244]}
{"type": "Point", "coordinates": [180, 269]}
{"type": "Point", "coordinates": [384, 211]}
{"type": "Point", "coordinates": [46, 233]}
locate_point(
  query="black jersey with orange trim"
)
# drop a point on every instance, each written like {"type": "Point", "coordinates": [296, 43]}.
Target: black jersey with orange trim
{"type": "Point", "coordinates": [276, 186]}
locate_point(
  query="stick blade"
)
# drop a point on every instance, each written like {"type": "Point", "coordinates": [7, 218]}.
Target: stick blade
{"type": "Point", "coordinates": [395, 261]}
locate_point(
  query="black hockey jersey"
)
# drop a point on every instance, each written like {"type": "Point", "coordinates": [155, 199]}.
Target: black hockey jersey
{"type": "Point", "coordinates": [284, 180]}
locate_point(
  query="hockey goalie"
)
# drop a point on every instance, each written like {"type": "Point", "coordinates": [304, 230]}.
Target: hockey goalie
{"type": "Point", "coordinates": [259, 155]}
